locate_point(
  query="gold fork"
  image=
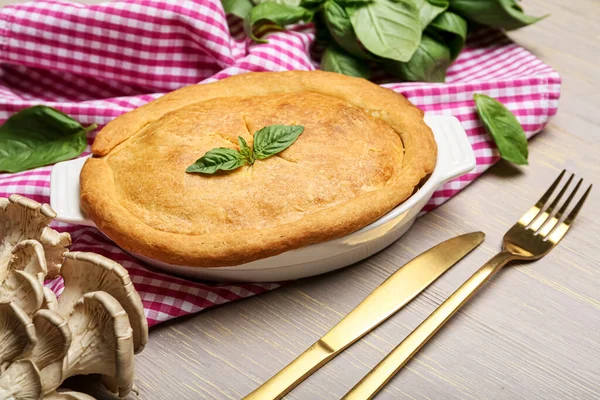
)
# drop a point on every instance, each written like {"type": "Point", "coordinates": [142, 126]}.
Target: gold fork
{"type": "Point", "coordinates": [536, 233]}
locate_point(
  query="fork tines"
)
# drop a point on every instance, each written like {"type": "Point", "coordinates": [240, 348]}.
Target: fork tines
{"type": "Point", "coordinates": [543, 218]}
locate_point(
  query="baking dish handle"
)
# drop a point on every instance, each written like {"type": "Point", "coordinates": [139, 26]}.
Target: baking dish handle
{"type": "Point", "coordinates": [64, 192]}
{"type": "Point", "coordinates": [455, 154]}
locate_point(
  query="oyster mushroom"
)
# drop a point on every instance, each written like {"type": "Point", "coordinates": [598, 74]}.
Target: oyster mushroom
{"type": "Point", "coordinates": [50, 302]}
{"type": "Point", "coordinates": [23, 276]}
{"type": "Point", "coordinates": [65, 394]}
{"type": "Point", "coordinates": [21, 381]}
{"type": "Point", "coordinates": [17, 333]}
{"type": "Point", "coordinates": [24, 289]}
{"type": "Point", "coordinates": [102, 342]}
{"type": "Point", "coordinates": [28, 256]}
{"type": "Point", "coordinates": [54, 340]}
{"type": "Point", "coordinates": [89, 272]}
{"type": "Point", "coordinates": [22, 218]}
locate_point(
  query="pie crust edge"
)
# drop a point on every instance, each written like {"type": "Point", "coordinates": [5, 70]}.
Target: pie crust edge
{"type": "Point", "coordinates": [98, 193]}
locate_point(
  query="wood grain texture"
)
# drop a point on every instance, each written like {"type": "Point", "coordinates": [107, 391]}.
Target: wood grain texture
{"type": "Point", "coordinates": [532, 333]}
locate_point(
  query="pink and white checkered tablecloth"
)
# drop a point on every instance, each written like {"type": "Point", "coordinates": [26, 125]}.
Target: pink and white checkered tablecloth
{"type": "Point", "coordinates": [97, 62]}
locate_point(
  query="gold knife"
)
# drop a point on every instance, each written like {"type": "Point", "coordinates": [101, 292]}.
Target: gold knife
{"type": "Point", "coordinates": [393, 294]}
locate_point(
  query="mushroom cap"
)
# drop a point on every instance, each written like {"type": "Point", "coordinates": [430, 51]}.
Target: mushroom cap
{"type": "Point", "coordinates": [102, 342]}
{"type": "Point", "coordinates": [54, 339]}
{"type": "Point", "coordinates": [50, 302]}
{"type": "Point", "coordinates": [23, 289]}
{"type": "Point", "coordinates": [65, 394]}
{"type": "Point", "coordinates": [28, 256]}
{"type": "Point", "coordinates": [52, 347]}
{"type": "Point", "coordinates": [88, 272]}
{"type": "Point", "coordinates": [17, 333]}
{"type": "Point", "coordinates": [21, 381]}
{"type": "Point", "coordinates": [22, 218]}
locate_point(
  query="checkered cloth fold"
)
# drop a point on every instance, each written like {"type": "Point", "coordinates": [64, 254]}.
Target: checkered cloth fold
{"type": "Point", "coordinates": [95, 62]}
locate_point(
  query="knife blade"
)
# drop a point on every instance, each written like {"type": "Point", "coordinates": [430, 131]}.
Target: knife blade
{"type": "Point", "coordinates": [393, 294]}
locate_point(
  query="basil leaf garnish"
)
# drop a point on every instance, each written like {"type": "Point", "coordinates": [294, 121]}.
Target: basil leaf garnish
{"type": "Point", "coordinates": [246, 151]}
{"type": "Point", "coordinates": [504, 128]}
{"type": "Point", "coordinates": [278, 14]}
{"type": "Point", "coordinates": [336, 60]}
{"type": "Point", "coordinates": [221, 158]}
{"type": "Point", "coordinates": [273, 139]}
{"type": "Point", "coordinates": [389, 29]}
{"type": "Point", "coordinates": [504, 14]}
{"type": "Point", "coordinates": [38, 136]}
{"type": "Point", "coordinates": [268, 141]}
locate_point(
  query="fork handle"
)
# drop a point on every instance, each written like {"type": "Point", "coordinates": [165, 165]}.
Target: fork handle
{"type": "Point", "coordinates": [375, 380]}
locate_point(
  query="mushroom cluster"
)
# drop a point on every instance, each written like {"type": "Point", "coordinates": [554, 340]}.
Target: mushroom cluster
{"type": "Point", "coordinates": [94, 327]}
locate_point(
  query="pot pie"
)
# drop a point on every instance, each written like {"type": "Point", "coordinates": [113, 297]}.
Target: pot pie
{"type": "Point", "coordinates": [363, 151]}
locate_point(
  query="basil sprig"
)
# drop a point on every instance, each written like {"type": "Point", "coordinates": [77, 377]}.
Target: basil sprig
{"type": "Point", "coordinates": [504, 128]}
{"type": "Point", "coordinates": [268, 141]}
{"type": "Point", "coordinates": [221, 158]}
{"type": "Point", "coordinates": [274, 139]}
{"type": "Point", "coordinates": [38, 136]}
{"type": "Point", "coordinates": [416, 40]}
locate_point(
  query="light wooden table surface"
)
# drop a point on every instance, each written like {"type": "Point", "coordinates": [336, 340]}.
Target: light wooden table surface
{"type": "Point", "coordinates": [532, 333]}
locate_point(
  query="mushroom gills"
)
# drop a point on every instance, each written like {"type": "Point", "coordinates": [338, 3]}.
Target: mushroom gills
{"type": "Point", "coordinates": [21, 381]}
{"type": "Point", "coordinates": [53, 344]}
{"type": "Point", "coordinates": [22, 219]}
{"type": "Point", "coordinates": [50, 302]}
{"type": "Point", "coordinates": [17, 333]}
{"type": "Point", "coordinates": [28, 256]}
{"type": "Point", "coordinates": [24, 289]}
{"type": "Point", "coordinates": [102, 342]}
{"type": "Point", "coordinates": [88, 272]}
{"type": "Point", "coordinates": [65, 394]}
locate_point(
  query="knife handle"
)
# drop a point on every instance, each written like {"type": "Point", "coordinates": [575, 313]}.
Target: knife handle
{"type": "Point", "coordinates": [379, 376]}
{"type": "Point", "coordinates": [295, 372]}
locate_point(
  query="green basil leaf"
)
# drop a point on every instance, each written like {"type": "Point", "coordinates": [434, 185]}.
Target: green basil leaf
{"type": "Point", "coordinates": [38, 136]}
{"type": "Point", "coordinates": [504, 128]}
{"type": "Point", "coordinates": [278, 14]}
{"type": "Point", "coordinates": [453, 28]}
{"type": "Point", "coordinates": [336, 60]}
{"type": "Point", "coordinates": [354, 2]}
{"type": "Point", "coordinates": [239, 8]}
{"type": "Point", "coordinates": [322, 35]}
{"type": "Point", "coordinates": [340, 27]}
{"type": "Point", "coordinates": [428, 64]}
{"type": "Point", "coordinates": [294, 3]}
{"type": "Point", "coordinates": [504, 14]}
{"type": "Point", "coordinates": [221, 158]}
{"type": "Point", "coordinates": [273, 139]}
{"type": "Point", "coordinates": [429, 11]}
{"type": "Point", "coordinates": [311, 3]}
{"type": "Point", "coordinates": [440, 3]}
{"type": "Point", "coordinates": [388, 29]}
{"type": "Point", "coordinates": [246, 151]}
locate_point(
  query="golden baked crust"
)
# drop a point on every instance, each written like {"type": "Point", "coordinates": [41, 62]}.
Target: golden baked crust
{"type": "Point", "coordinates": [363, 150]}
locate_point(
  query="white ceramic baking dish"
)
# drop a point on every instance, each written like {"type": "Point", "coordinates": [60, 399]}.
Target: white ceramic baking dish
{"type": "Point", "coordinates": [455, 158]}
